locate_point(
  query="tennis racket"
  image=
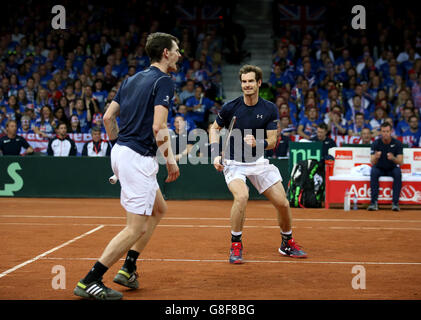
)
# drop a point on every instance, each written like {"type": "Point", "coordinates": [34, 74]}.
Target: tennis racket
{"type": "Point", "coordinates": [227, 138]}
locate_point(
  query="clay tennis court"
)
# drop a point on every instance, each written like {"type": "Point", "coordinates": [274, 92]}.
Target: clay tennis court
{"type": "Point", "coordinates": [187, 256]}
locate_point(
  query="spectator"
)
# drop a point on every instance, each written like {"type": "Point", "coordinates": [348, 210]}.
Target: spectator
{"type": "Point", "coordinates": [356, 127]}
{"type": "Point", "coordinates": [366, 137]}
{"type": "Point", "coordinates": [198, 107]}
{"type": "Point", "coordinates": [287, 127]}
{"type": "Point", "coordinates": [307, 128]}
{"type": "Point", "coordinates": [60, 116]}
{"type": "Point", "coordinates": [45, 125]}
{"type": "Point", "coordinates": [322, 137]}
{"type": "Point", "coordinates": [379, 117]}
{"type": "Point", "coordinates": [84, 115]}
{"type": "Point", "coordinates": [30, 90]}
{"type": "Point", "coordinates": [96, 147]}
{"type": "Point", "coordinates": [336, 124]}
{"type": "Point", "coordinates": [282, 144]}
{"type": "Point", "coordinates": [61, 145]}
{"type": "Point", "coordinates": [75, 124]}
{"type": "Point", "coordinates": [100, 94]}
{"type": "Point", "coordinates": [13, 110]}
{"type": "Point", "coordinates": [179, 139]}
{"type": "Point", "coordinates": [25, 126]}
{"type": "Point", "coordinates": [187, 91]}
{"type": "Point", "coordinates": [386, 157]}
{"type": "Point", "coordinates": [403, 125]}
{"type": "Point", "coordinates": [355, 108]}
{"type": "Point", "coordinates": [11, 144]}
{"type": "Point", "coordinates": [413, 132]}
{"type": "Point", "coordinates": [182, 110]}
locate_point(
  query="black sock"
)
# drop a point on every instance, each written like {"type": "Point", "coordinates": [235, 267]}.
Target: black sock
{"type": "Point", "coordinates": [96, 273]}
{"type": "Point", "coordinates": [130, 263]}
{"type": "Point", "coordinates": [236, 238]}
{"type": "Point", "coordinates": [286, 237]}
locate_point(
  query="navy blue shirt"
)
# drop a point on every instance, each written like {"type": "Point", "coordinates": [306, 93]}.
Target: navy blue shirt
{"type": "Point", "coordinates": [12, 147]}
{"type": "Point", "coordinates": [395, 147]}
{"type": "Point", "coordinates": [137, 97]}
{"type": "Point", "coordinates": [262, 116]}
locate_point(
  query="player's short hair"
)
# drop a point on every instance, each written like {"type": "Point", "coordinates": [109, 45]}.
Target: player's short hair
{"type": "Point", "coordinates": [250, 68]}
{"type": "Point", "coordinates": [10, 121]}
{"type": "Point", "coordinates": [323, 126]}
{"type": "Point", "coordinates": [61, 123]}
{"type": "Point", "coordinates": [156, 43]}
{"type": "Point", "coordinates": [96, 129]}
{"type": "Point", "coordinates": [386, 124]}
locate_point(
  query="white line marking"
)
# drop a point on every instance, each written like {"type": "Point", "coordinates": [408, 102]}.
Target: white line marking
{"type": "Point", "coordinates": [42, 255]}
{"type": "Point", "coordinates": [306, 261]}
{"type": "Point", "coordinates": [210, 218]}
{"type": "Point", "coordinates": [208, 226]}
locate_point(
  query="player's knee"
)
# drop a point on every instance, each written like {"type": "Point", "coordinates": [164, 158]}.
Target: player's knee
{"type": "Point", "coordinates": [281, 203]}
{"type": "Point", "coordinates": [241, 198]}
{"type": "Point", "coordinates": [134, 233]}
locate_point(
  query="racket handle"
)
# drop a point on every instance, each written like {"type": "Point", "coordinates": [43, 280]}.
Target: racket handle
{"type": "Point", "coordinates": [113, 179]}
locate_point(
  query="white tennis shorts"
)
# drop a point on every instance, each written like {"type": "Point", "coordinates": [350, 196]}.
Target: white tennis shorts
{"type": "Point", "coordinates": [261, 173]}
{"type": "Point", "coordinates": [137, 175]}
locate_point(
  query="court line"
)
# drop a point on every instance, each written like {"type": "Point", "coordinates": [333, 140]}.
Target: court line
{"type": "Point", "coordinates": [297, 261]}
{"type": "Point", "coordinates": [212, 218]}
{"type": "Point", "coordinates": [42, 255]}
{"type": "Point", "coordinates": [211, 226]}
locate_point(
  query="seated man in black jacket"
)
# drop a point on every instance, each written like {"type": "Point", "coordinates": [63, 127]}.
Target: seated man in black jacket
{"type": "Point", "coordinates": [323, 138]}
{"type": "Point", "coordinates": [386, 157]}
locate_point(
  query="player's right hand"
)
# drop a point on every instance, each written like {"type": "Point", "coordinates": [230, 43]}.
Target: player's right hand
{"type": "Point", "coordinates": [217, 163]}
{"type": "Point", "coordinates": [378, 154]}
{"type": "Point", "coordinates": [173, 172]}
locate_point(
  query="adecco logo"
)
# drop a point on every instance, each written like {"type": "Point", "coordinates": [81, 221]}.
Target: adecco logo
{"type": "Point", "coordinates": [408, 193]}
{"type": "Point", "coordinates": [417, 155]}
{"type": "Point", "coordinates": [343, 154]}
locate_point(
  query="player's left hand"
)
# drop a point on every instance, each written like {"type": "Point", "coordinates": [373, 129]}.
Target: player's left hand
{"type": "Point", "coordinates": [390, 156]}
{"type": "Point", "coordinates": [250, 140]}
{"type": "Point", "coordinates": [173, 172]}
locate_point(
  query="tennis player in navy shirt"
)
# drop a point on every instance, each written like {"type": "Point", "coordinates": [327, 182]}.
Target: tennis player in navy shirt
{"type": "Point", "coordinates": [142, 103]}
{"type": "Point", "coordinates": [256, 126]}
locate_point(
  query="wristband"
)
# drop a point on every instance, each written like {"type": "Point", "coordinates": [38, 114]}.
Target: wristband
{"type": "Point", "coordinates": [113, 142]}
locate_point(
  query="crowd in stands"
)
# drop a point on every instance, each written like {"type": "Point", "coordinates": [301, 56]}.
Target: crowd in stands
{"type": "Point", "coordinates": [49, 77]}
{"type": "Point", "coordinates": [350, 80]}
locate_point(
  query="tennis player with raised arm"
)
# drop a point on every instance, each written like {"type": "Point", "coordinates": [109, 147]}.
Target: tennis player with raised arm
{"type": "Point", "coordinates": [255, 130]}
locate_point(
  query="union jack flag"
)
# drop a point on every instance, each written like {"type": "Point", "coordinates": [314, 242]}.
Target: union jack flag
{"type": "Point", "coordinates": [301, 17]}
{"type": "Point", "coordinates": [200, 18]}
